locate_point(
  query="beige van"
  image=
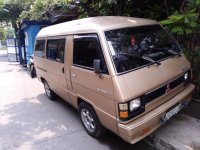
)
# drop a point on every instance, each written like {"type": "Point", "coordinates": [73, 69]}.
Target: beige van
{"type": "Point", "coordinates": [124, 74]}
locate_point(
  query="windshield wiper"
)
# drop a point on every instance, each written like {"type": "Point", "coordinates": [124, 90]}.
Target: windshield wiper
{"type": "Point", "coordinates": [142, 57]}
{"type": "Point", "coordinates": [151, 60]}
{"type": "Point", "coordinates": [173, 52]}
{"type": "Point", "coordinates": [168, 50]}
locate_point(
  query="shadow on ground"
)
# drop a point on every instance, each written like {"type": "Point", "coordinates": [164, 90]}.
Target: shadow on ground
{"type": "Point", "coordinates": [36, 120]}
{"type": "Point", "coordinates": [193, 109]}
{"type": "Point", "coordinates": [28, 120]}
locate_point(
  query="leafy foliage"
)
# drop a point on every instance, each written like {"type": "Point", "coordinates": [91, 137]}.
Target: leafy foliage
{"type": "Point", "coordinates": [39, 7]}
{"type": "Point", "coordinates": [2, 34]}
{"type": "Point", "coordinates": [9, 32]}
{"type": "Point", "coordinates": [185, 24]}
{"type": "Point", "coordinates": [11, 9]}
{"type": "Point", "coordinates": [182, 23]}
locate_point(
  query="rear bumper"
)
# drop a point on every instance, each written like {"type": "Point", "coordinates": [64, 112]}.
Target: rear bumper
{"type": "Point", "coordinates": [146, 124]}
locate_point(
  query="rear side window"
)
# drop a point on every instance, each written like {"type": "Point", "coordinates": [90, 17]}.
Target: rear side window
{"type": "Point", "coordinates": [39, 48]}
{"type": "Point", "coordinates": [55, 50]}
{"type": "Point", "coordinates": [86, 49]}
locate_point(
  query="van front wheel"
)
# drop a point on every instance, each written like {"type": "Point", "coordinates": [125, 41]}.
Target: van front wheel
{"type": "Point", "coordinates": [50, 94]}
{"type": "Point", "coordinates": [90, 120]}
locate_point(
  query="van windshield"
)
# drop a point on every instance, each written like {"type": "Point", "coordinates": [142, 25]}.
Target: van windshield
{"type": "Point", "coordinates": [136, 47]}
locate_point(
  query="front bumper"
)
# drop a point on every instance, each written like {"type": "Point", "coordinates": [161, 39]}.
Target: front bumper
{"type": "Point", "coordinates": [139, 128]}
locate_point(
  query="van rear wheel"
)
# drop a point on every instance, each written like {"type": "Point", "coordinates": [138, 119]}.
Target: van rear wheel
{"type": "Point", "coordinates": [50, 94]}
{"type": "Point", "coordinates": [90, 120]}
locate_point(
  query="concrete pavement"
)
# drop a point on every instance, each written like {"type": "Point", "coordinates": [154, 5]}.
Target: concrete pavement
{"type": "Point", "coordinates": [29, 121]}
{"type": "Point", "coordinates": [181, 133]}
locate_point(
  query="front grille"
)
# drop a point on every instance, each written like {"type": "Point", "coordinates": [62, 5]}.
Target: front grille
{"type": "Point", "coordinates": [162, 90]}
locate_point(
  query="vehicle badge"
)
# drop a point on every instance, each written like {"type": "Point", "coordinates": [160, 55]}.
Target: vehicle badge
{"type": "Point", "coordinates": [168, 88]}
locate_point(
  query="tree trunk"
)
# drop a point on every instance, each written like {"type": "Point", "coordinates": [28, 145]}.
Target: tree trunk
{"type": "Point", "coordinates": [14, 25]}
{"type": "Point", "coordinates": [118, 9]}
{"type": "Point", "coordinates": [166, 7]}
{"type": "Point", "coordinates": [182, 6]}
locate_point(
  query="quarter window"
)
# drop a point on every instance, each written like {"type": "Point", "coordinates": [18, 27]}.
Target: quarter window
{"type": "Point", "coordinates": [39, 48]}
{"type": "Point", "coordinates": [55, 50]}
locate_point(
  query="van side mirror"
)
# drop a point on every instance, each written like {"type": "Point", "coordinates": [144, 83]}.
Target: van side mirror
{"type": "Point", "coordinates": [96, 66]}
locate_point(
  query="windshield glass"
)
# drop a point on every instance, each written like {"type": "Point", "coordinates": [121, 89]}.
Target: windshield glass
{"type": "Point", "coordinates": [139, 46]}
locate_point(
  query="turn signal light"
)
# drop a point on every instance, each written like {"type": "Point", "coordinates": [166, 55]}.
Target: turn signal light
{"type": "Point", "coordinates": [123, 114]}
{"type": "Point", "coordinates": [145, 131]}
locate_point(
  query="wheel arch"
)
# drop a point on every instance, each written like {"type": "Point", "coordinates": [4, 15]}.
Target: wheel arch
{"type": "Point", "coordinates": [80, 100]}
{"type": "Point", "coordinates": [101, 129]}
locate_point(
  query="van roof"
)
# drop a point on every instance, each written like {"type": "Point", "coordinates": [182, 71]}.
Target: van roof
{"type": "Point", "coordinates": [93, 25]}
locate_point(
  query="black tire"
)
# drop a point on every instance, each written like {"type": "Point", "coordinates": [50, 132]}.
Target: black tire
{"type": "Point", "coordinates": [32, 71]}
{"type": "Point", "coordinates": [50, 94]}
{"type": "Point", "coordinates": [98, 129]}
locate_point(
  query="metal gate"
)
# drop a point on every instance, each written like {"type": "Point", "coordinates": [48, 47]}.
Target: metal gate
{"type": "Point", "coordinates": [12, 50]}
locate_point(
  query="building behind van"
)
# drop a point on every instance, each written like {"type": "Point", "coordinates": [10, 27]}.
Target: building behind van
{"type": "Point", "coordinates": [26, 38]}
{"type": "Point", "coordinates": [124, 74]}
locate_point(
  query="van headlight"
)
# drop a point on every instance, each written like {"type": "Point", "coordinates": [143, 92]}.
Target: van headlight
{"type": "Point", "coordinates": [134, 104]}
{"type": "Point", "coordinates": [127, 109]}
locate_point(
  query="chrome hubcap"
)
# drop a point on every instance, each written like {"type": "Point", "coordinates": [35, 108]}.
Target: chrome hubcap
{"type": "Point", "coordinates": [88, 120]}
{"type": "Point", "coordinates": [47, 89]}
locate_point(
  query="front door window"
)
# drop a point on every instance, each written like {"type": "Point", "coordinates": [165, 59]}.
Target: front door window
{"type": "Point", "coordinates": [86, 49]}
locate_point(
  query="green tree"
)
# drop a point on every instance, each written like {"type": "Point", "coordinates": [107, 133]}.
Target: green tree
{"type": "Point", "coordinates": [40, 7]}
{"type": "Point", "coordinates": [11, 9]}
{"type": "Point", "coordinates": [185, 24]}
{"type": "Point", "coordinates": [9, 32]}
{"type": "Point", "coordinates": [2, 34]}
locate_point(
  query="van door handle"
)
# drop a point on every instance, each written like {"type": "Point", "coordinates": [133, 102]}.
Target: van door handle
{"type": "Point", "coordinates": [74, 76]}
{"type": "Point", "coordinates": [63, 70]}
